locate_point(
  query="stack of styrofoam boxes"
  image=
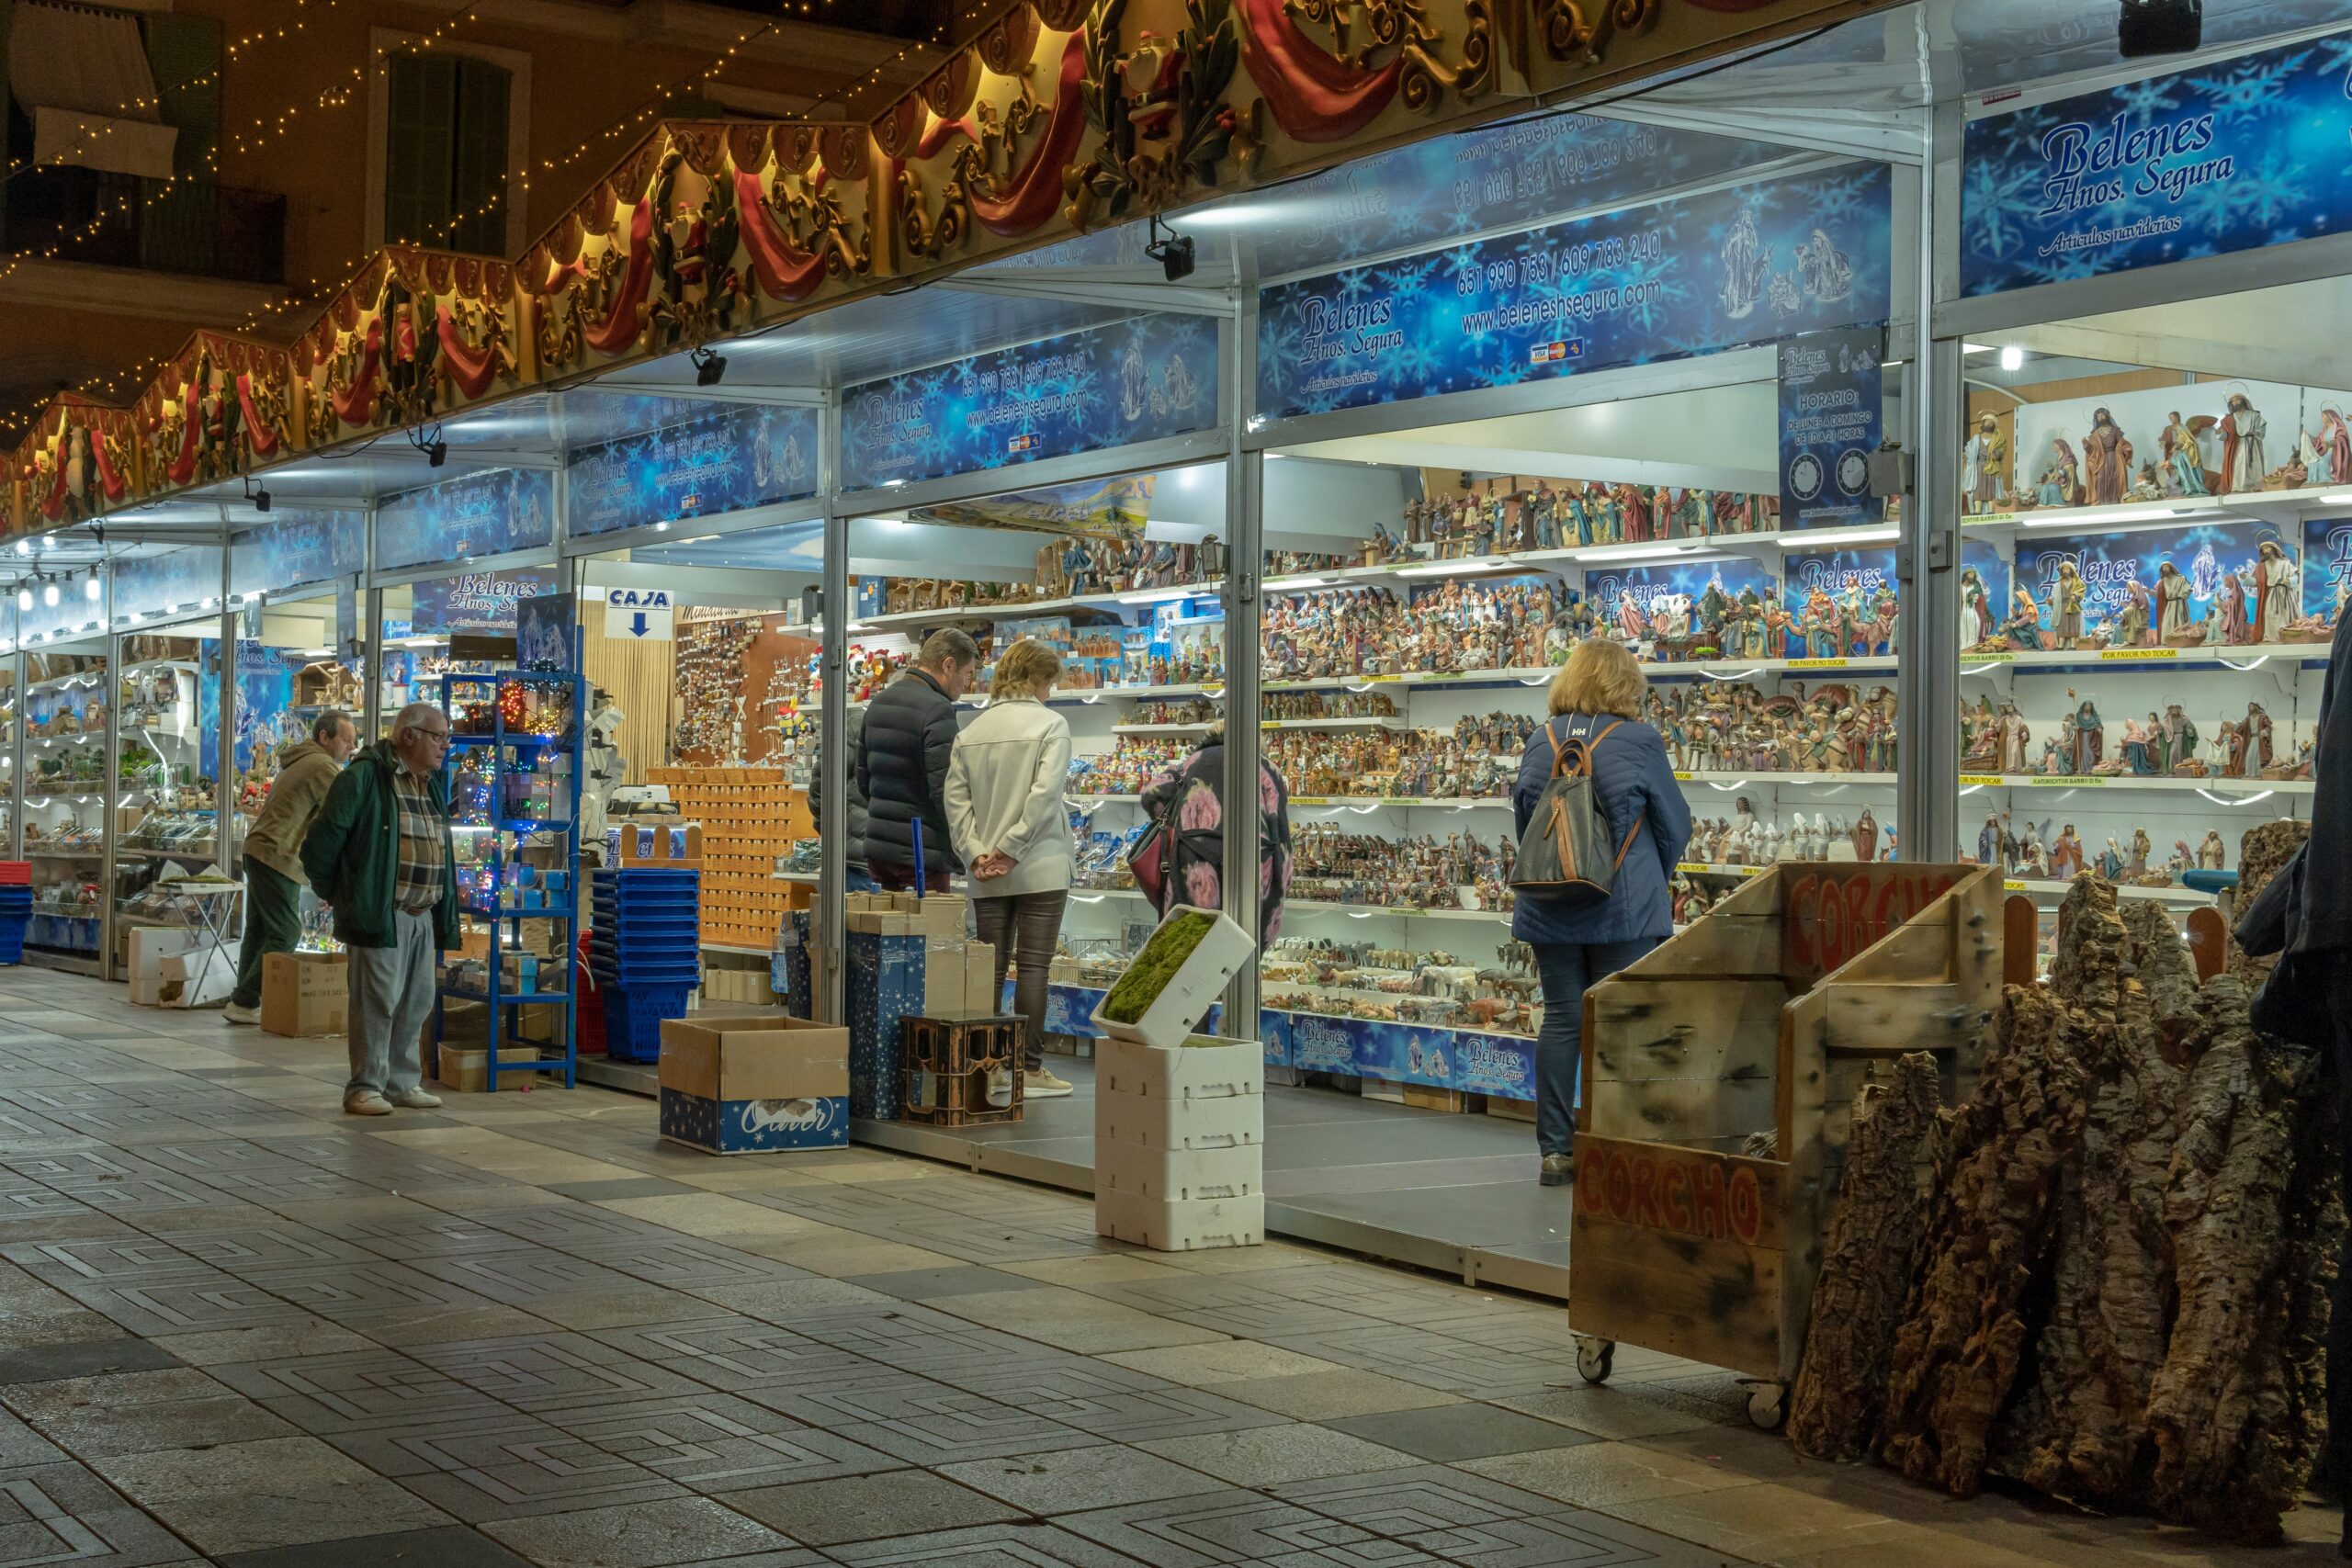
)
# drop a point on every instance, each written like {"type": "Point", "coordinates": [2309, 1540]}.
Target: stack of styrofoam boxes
{"type": "Point", "coordinates": [1179, 1143]}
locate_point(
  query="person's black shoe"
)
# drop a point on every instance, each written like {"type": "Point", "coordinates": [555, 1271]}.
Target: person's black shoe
{"type": "Point", "coordinates": [1558, 1170]}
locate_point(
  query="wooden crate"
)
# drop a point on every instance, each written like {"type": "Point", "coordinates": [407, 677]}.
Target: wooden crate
{"type": "Point", "coordinates": [944, 1064]}
{"type": "Point", "coordinates": [1766, 1016]}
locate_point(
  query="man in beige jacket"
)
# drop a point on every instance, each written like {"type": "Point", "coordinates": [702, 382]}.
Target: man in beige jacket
{"type": "Point", "coordinates": [274, 879]}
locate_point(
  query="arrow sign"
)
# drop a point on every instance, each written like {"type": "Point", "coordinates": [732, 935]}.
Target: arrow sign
{"type": "Point", "coordinates": [642, 614]}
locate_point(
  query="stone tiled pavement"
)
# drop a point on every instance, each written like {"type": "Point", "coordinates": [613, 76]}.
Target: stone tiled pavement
{"type": "Point", "coordinates": [236, 1326]}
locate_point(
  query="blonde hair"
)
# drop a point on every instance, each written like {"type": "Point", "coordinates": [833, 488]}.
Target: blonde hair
{"type": "Point", "coordinates": [1028, 669]}
{"type": "Point", "coordinates": [1600, 676]}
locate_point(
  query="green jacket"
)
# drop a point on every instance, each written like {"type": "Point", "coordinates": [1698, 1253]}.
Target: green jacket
{"type": "Point", "coordinates": [353, 851]}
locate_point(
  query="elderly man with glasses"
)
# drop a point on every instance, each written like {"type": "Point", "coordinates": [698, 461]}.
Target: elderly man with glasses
{"type": "Point", "coordinates": [379, 851]}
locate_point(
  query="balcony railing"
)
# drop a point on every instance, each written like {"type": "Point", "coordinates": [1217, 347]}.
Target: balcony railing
{"type": "Point", "coordinates": [191, 225]}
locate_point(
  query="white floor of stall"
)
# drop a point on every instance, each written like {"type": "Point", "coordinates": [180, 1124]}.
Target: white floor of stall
{"type": "Point", "coordinates": [1452, 1194]}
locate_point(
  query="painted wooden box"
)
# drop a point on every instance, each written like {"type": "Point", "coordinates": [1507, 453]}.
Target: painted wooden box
{"type": "Point", "coordinates": [1692, 1234]}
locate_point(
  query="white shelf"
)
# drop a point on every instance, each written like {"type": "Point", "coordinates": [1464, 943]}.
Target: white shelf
{"type": "Point", "coordinates": [2126, 515]}
{"type": "Point", "coordinates": [1088, 797]}
{"type": "Point", "coordinates": [1538, 675]}
{"type": "Point", "coordinates": [1730, 780]}
{"type": "Point", "coordinates": [1161, 728]}
{"type": "Point", "coordinates": [1654, 552]}
{"type": "Point", "coordinates": [2053, 889]}
{"type": "Point", "coordinates": [1096, 895]}
{"type": "Point", "coordinates": [1408, 802]}
{"type": "Point", "coordinates": [1390, 911]}
{"type": "Point", "coordinates": [2207, 786]}
{"type": "Point", "coordinates": [1368, 721]}
{"type": "Point", "coordinates": [2249, 656]}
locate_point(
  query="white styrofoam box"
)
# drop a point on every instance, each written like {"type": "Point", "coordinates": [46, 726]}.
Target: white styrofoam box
{"type": "Point", "coordinates": [1162, 1123]}
{"type": "Point", "coordinates": [1181, 1224]}
{"type": "Point", "coordinates": [197, 978]}
{"type": "Point", "coordinates": [1185, 1072]}
{"type": "Point", "coordinates": [1186, 998]}
{"type": "Point", "coordinates": [150, 946]}
{"type": "Point", "coordinates": [1134, 1171]}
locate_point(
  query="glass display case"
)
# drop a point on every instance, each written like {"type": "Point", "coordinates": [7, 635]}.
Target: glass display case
{"type": "Point", "coordinates": [67, 798]}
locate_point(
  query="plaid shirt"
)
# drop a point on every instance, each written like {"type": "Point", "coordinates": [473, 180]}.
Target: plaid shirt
{"type": "Point", "coordinates": [418, 886]}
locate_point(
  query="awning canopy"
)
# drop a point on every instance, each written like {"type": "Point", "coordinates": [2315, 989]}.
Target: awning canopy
{"type": "Point", "coordinates": [81, 74]}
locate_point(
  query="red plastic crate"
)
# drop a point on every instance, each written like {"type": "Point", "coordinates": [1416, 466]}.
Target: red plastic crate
{"type": "Point", "coordinates": [15, 873]}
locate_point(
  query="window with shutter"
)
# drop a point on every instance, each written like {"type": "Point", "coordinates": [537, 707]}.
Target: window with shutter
{"type": "Point", "coordinates": [445, 159]}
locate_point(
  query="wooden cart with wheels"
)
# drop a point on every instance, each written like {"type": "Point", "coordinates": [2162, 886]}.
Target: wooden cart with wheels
{"type": "Point", "coordinates": [1719, 1072]}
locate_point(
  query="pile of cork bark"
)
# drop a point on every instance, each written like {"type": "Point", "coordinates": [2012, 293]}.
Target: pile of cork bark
{"type": "Point", "coordinates": [2107, 1274]}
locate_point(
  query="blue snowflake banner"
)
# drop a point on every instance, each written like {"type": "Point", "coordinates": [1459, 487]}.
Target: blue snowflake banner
{"type": "Point", "coordinates": [1135, 380]}
{"type": "Point", "coordinates": [1668, 588]}
{"type": "Point", "coordinates": [749, 455]}
{"type": "Point", "coordinates": [2327, 565]}
{"type": "Point", "coordinates": [2232, 156]}
{"type": "Point", "coordinates": [1429, 192]}
{"type": "Point", "coordinates": [155, 585]}
{"type": "Point", "coordinates": [1748, 264]}
{"type": "Point", "coordinates": [297, 548]}
{"type": "Point", "coordinates": [476, 601]}
{"type": "Point", "coordinates": [2110, 563]}
{"type": "Point", "coordinates": [481, 514]}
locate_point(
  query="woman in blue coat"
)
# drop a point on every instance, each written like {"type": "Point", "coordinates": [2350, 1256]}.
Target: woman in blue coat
{"type": "Point", "coordinates": [1598, 687]}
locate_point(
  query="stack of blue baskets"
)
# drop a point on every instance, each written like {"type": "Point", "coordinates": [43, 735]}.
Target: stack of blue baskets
{"type": "Point", "coordinates": [16, 909]}
{"type": "Point", "coordinates": [644, 953]}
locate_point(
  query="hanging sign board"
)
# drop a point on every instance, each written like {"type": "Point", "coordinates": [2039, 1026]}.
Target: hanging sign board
{"type": "Point", "coordinates": [749, 456]}
{"type": "Point", "coordinates": [1748, 264]}
{"type": "Point", "coordinates": [639, 614]}
{"type": "Point", "coordinates": [492, 513]}
{"type": "Point", "coordinates": [1113, 386]}
{"type": "Point", "coordinates": [2231, 155]}
{"type": "Point", "coordinates": [1831, 415]}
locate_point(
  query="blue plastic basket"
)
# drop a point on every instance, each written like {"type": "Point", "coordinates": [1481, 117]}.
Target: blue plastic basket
{"type": "Point", "coordinates": [633, 1016]}
{"type": "Point", "coordinates": [648, 931]}
{"type": "Point", "coordinates": [627, 973]}
{"type": "Point", "coordinates": [628, 880]}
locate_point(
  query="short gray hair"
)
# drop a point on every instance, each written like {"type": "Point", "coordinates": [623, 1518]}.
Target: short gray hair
{"type": "Point", "coordinates": [414, 714]}
{"type": "Point", "coordinates": [323, 726]}
{"type": "Point", "coordinates": [948, 643]}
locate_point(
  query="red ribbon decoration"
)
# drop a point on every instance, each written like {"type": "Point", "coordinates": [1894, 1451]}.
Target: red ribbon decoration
{"type": "Point", "coordinates": [264, 438]}
{"type": "Point", "coordinates": [1033, 194]}
{"type": "Point", "coordinates": [470, 369]}
{"type": "Point", "coordinates": [357, 403]}
{"type": "Point", "coordinates": [1316, 96]}
{"type": "Point", "coordinates": [785, 271]}
{"type": "Point", "coordinates": [111, 479]}
{"type": "Point", "coordinates": [620, 328]}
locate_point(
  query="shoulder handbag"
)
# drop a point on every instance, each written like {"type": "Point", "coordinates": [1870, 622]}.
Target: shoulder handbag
{"type": "Point", "coordinates": [1149, 857]}
{"type": "Point", "coordinates": [1565, 854]}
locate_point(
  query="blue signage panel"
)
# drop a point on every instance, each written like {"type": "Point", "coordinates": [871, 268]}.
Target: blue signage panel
{"type": "Point", "coordinates": [746, 457]}
{"type": "Point", "coordinates": [1631, 599]}
{"type": "Point", "coordinates": [1136, 381]}
{"type": "Point", "coordinates": [297, 549]}
{"type": "Point", "coordinates": [1831, 413]}
{"type": "Point", "coordinates": [1494, 1063]}
{"type": "Point", "coordinates": [1748, 264]}
{"type": "Point", "coordinates": [475, 601]}
{"type": "Point", "coordinates": [482, 514]}
{"type": "Point", "coordinates": [1428, 192]}
{"type": "Point", "coordinates": [2231, 156]}
{"type": "Point", "coordinates": [2205, 554]}
{"type": "Point", "coordinates": [2327, 565]}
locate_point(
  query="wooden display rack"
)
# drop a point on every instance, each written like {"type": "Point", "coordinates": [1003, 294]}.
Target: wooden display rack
{"type": "Point", "coordinates": [748, 816]}
{"type": "Point", "coordinates": [1767, 1015]}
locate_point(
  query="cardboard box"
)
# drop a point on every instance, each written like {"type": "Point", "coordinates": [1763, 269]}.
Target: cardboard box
{"type": "Point", "coordinates": [466, 1025]}
{"type": "Point", "coordinates": [680, 847]}
{"type": "Point", "coordinates": [754, 1082]}
{"type": "Point", "coordinates": [201, 976]}
{"type": "Point", "coordinates": [304, 993]}
{"type": "Point", "coordinates": [149, 946]}
{"type": "Point", "coordinates": [467, 1071]}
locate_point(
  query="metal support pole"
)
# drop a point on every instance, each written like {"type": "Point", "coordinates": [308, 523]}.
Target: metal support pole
{"type": "Point", "coordinates": [18, 750]}
{"type": "Point", "coordinates": [1244, 565]}
{"type": "Point", "coordinates": [225, 773]}
{"type": "Point", "coordinates": [1927, 550]}
{"type": "Point", "coordinates": [829, 931]}
{"type": "Point", "coordinates": [110, 814]}
{"type": "Point", "coordinates": [371, 600]}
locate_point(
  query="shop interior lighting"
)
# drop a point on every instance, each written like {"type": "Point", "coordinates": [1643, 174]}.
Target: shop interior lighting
{"type": "Point", "coordinates": [92, 589]}
{"type": "Point", "coordinates": [49, 593]}
{"type": "Point", "coordinates": [436, 450]}
{"type": "Point", "coordinates": [208, 602]}
{"type": "Point", "coordinates": [24, 597]}
{"type": "Point", "coordinates": [1172, 251]}
{"type": "Point", "coordinates": [1445, 569]}
{"type": "Point", "coordinates": [1876, 533]}
{"type": "Point", "coordinates": [1154, 595]}
{"type": "Point", "coordinates": [2341, 498]}
{"type": "Point", "coordinates": [24, 548]}
{"type": "Point", "coordinates": [2012, 357]}
{"type": "Point", "coordinates": [2128, 514]}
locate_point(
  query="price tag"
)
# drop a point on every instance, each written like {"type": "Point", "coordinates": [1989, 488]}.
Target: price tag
{"type": "Point", "coordinates": [2068, 781]}
{"type": "Point", "coordinates": [2136, 655]}
{"type": "Point", "coordinates": [2013, 886]}
{"type": "Point", "coordinates": [2005, 656]}
{"type": "Point", "coordinates": [1683, 776]}
{"type": "Point", "coordinates": [1991, 780]}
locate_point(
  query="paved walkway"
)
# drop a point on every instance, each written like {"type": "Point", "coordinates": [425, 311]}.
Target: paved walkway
{"type": "Point", "coordinates": [236, 1326]}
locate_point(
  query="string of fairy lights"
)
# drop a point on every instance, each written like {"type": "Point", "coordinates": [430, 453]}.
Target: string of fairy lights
{"type": "Point", "coordinates": [270, 129]}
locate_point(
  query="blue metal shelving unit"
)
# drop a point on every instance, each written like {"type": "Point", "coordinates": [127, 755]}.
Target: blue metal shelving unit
{"type": "Point", "coordinates": [518, 755]}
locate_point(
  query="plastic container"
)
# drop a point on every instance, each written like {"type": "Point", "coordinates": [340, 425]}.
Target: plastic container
{"type": "Point", "coordinates": [1192, 990]}
{"type": "Point", "coordinates": [1161, 1124]}
{"type": "Point", "coordinates": [633, 1016]}
{"type": "Point", "coordinates": [1210, 1069]}
{"type": "Point", "coordinates": [1182, 1175]}
{"type": "Point", "coordinates": [1181, 1224]}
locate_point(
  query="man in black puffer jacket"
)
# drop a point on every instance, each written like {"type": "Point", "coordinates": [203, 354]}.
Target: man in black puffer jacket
{"type": "Point", "coordinates": [902, 763]}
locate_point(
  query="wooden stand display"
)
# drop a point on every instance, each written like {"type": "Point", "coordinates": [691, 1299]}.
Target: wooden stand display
{"type": "Point", "coordinates": [1763, 1018]}
{"type": "Point", "coordinates": [748, 816]}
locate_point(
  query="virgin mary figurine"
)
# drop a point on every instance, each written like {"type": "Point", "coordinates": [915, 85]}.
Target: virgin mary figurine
{"type": "Point", "coordinates": [2184, 464]}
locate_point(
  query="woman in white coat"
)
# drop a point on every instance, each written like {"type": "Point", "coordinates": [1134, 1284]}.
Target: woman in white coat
{"type": "Point", "coordinates": [1006, 814]}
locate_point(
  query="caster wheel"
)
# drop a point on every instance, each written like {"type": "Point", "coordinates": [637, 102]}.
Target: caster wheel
{"type": "Point", "coordinates": [1596, 1359]}
{"type": "Point", "coordinates": [1768, 1406]}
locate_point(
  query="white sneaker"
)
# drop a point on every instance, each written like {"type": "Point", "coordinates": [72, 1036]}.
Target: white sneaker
{"type": "Point", "coordinates": [1043, 1084]}
{"type": "Point", "coordinates": [416, 1099]}
{"type": "Point", "coordinates": [232, 1013]}
{"type": "Point", "coordinates": [366, 1102]}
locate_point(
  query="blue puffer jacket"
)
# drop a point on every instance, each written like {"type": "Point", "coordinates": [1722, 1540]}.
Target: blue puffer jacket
{"type": "Point", "coordinates": [1635, 785]}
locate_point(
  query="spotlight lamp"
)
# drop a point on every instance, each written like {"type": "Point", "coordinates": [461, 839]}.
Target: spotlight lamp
{"type": "Point", "coordinates": [1172, 251]}
{"type": "Point", "coordinates": [92, 589]}
{"type": "Point", "coordinates": [436, 450]}
{"type": "Point", "coordinates": [710, 366]}
{"type": "Point", "coordinates": [49, 593]}
{"type": "Point", "coordinates": [2159, 26]}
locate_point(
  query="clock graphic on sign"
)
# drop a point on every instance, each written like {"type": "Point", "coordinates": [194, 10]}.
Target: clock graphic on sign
{"type": "Point", "coordinates": [1853, 470]}
{"type": "Point", "coordinates": [1805, 476]}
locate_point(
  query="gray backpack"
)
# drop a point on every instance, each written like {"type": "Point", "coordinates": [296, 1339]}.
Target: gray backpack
{"type": "Point", "coordinates": [1565, 855]}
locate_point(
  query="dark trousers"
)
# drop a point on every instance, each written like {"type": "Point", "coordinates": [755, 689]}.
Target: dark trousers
{"type": "Point", "coordinates": [1567, 970]}
{"type": "Point", "coordinates": [901, 878]}
{"type": "Point", "coordinates": [273, 924]}
{"type": "Point", "coordinates": [1030, 923]}
{"type": "Point", "coordinates": [2339, 1325]}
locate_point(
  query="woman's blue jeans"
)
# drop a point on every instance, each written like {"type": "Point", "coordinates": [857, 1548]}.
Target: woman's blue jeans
{"type": "Point", "coordinates": [1566, 969]}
